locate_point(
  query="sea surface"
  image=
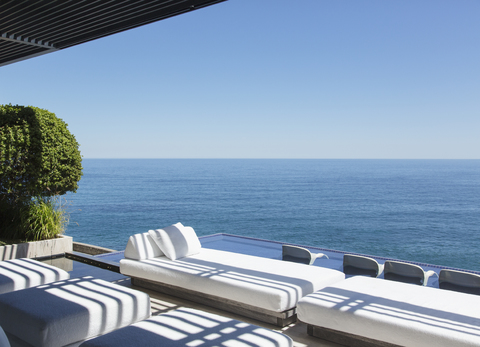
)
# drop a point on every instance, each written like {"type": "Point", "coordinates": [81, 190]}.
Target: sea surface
{"type": "Point", "coordinates": [418, 210]}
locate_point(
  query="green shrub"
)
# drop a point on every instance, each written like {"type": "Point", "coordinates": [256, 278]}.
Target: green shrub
{"type": "Point", "coordinates": [39, 157]}
{"type": "Point", "coordinates": [11, 221]}
{"type": "Point", "coordinates": [39, 161]}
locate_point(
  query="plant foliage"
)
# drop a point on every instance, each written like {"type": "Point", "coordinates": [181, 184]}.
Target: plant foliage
{"type": "Point", "coordinates": [44, 219]}
{"type": "Point", "coordinates": [39, 160]}
{"type": "Point", "coordinates": [39, 157]}
{"type": "Point", "coordinates": [40, 219]}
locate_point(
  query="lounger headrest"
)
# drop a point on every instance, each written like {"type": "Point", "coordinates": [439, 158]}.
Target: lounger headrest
{"type": "Point", "coordinates": [142, 246]}
{"type": "Point", "coordinates": [176, 241]}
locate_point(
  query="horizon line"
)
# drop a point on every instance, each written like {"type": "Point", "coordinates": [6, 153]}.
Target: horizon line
{"type": "Point", "coordinates": [246, 158]}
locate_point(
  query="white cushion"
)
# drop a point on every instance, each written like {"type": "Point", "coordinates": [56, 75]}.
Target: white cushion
{"type": "Point", "coordinates": [142, 246]}
{"type": "Point", "coordinates": [271, 284]}
{"type": "Point", "coordinates": [65, 312]}
{"type": "Point", "coordinates": [3, 339]}
{"type": "Point", "coordinates": [24, 273]}
{"type": "Point", "coordinates": [190, 327]}
{"type": "Point", "coordinates": [176, 241]}
{"type": "Point", "coordinates": [398, 313]}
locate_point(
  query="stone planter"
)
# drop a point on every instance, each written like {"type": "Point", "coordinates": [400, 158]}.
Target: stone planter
{"type": "Point", "coordinates": [37, 249]}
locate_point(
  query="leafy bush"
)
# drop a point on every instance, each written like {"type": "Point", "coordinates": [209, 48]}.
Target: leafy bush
{"type": "Point", "coordinates": [39, 160]}
{"type": "Point", "coordinates": [39, 157]}
{"type": "Point", "coordinates": [11, 221]}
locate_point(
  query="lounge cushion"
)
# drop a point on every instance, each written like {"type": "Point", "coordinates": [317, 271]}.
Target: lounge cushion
{"type": "Point", "coordinates": [189, 327]}
{"type": "Point", "coordinates": [394, 312]}
{"type": "Point", "coordinates": [3, 339]}
{"type": "Point", "coordinates": [65, 312]}
{"type": "Point", "coordinates": [142, 246]}
{"type": "Point", "coordinates": [270, 284]}
{"type": "Point", "coordinates": [176, 241]}
{"type": "Point", "coordinates": [24, 273]}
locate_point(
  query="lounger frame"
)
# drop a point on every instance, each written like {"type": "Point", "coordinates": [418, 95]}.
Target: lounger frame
{"type": "Point", "coordinates": [280, 319]}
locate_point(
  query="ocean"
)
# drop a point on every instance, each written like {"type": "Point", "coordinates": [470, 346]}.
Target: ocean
{"type": "Point", "coordinates": [418, 210]}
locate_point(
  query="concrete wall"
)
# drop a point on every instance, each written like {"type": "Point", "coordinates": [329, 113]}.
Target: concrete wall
{"type": "Point", "coordinates": [37, 249]}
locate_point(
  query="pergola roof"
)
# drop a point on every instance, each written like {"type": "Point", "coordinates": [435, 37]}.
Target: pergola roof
{"type": "Point", "coordinates": [30, 28]}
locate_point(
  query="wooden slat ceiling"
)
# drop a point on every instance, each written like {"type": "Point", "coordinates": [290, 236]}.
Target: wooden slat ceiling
{"type": "Point", "coordinates": [29, 28]}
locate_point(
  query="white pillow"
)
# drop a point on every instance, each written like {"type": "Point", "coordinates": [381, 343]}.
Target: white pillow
{"type": "Point", "coordinates": [176, 241]}
{"type": "Point", "coordinates": [142, 246]}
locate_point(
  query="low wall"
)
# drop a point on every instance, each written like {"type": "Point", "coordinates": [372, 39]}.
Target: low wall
{"type": "Point", "coordinates": [90, 249]}
{"type": "Point", "coordinates": [37, 249]}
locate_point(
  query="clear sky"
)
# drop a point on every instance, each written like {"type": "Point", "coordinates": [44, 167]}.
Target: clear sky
{"type": "Point", "coordinates": [271, 79]}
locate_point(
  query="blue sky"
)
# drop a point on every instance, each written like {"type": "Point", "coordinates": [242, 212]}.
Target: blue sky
{"type": "Point", "coordinates": [271, 79]}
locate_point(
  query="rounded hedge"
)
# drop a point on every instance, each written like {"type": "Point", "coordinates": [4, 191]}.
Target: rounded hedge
{"type": "Point", "coordinates": [39, 157]}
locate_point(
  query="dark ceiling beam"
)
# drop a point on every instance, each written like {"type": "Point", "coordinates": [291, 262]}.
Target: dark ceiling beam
{"type": "Point", "coordinates": [30, 28]}
{"type": "Point", "coordinates": [26, 41]}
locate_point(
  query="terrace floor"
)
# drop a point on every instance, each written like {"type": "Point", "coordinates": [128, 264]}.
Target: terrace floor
{"type": "Point", "coordinates": [105, 266]}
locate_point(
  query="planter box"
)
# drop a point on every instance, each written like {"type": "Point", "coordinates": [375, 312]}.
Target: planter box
{"type": "Point", "coordinates": [37, 249]}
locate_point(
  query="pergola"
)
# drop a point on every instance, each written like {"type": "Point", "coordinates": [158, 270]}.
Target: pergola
{"type": "Point", "coordinates": [30, 28]}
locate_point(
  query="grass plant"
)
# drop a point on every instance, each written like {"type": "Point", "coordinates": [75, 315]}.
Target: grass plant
{"type": "Point", "coordinates": [37, 219]}
{"type": "Point", "coordinates": [46, 218]}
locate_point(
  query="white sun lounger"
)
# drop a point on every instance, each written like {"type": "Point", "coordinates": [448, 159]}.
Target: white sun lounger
{"type": "Point", "coordinates": [388, 313]}
{"type": "Point", "coordinates": [189, 327]}
{"type": "Point", "coordinates": [24, 273]}
{"type": "Point", "coordinates": [256, 287]}
{"type": "Point", "coordinates": [68, 312]}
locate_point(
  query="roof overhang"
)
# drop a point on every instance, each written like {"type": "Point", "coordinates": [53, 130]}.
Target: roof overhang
{"type": "Point", "coordinates": [30, 28]}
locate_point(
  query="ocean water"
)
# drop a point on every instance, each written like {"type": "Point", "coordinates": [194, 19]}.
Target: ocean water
{"type": "Point", "coordinates": [419, 210]}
